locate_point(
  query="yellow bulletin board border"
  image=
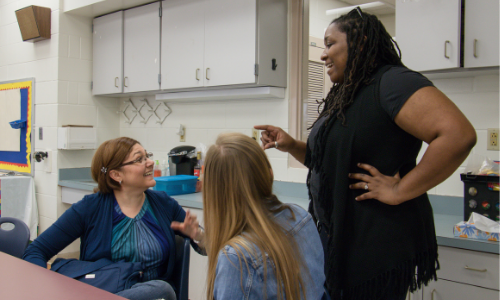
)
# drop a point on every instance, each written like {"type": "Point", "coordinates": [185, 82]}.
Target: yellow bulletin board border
{"type": "Point", "coordinates": [21, 161]}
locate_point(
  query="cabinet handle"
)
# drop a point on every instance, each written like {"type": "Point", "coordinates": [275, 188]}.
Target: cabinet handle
{"type": "Point", "coordinates": [115, 81]}
{"type": "Point", "coordinates": [197, 71]}
{"type": "Point", "coordinates": [432, 294]}
{"type": "Point", "coordinates": [475, 44]}
{"type": "Point", "coordinates": [472, 269]}
{"type": "Point", "coordinates": [445, 48]}
{"type": "Point", "coordinates": [206, 74]}
{"type": "Point", "coordinates": [124, 82]}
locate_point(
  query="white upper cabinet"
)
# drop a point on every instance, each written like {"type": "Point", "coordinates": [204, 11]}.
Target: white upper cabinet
{"type": "Point", "coordinates": [141, 50]}
{"type": "Point", "coordinates": [182, 44]}
{"type": "Point", "coordinates": [178, 45]}
{"type": "Point", "coordinates": [108, 54]}
{"type": "Point", "coordinates": [230, 42]}
{"type": "Point", "coordinates": [481, 33]}
{"type": "Point", "coordinates": [126, 51]}
{"type": "Point", "coordinates": [209, 43]}
{"type": "Point", "coordinates": [428, 33]}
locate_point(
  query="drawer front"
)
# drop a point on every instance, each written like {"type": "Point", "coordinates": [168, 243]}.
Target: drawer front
{"type": "Point", "coordinates": [71, 195]}
{"type": "Point", "coordinates": [471, 267]}
{"type": "Point", "coordinates": [448, 290]}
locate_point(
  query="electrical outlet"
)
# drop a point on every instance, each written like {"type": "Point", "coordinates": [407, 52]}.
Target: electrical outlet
{"type": "Point", "coordinates": [255, 134]}
{"type": "Point", "coordinates": [182, 133]}
{"type": "Point", "coordinates": [492, 139]}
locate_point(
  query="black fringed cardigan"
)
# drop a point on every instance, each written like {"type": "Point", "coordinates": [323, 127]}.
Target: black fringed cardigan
{"type": "Point", "coordinates": [371, 244]}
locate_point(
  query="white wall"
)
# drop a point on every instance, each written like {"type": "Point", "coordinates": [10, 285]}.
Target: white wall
{"type": "Point", "coordinates": [62, 68]}
{"type": "Point", "coordinates": [204, 121]}
{"type": "Point", "coordinates": [20, 60]}
{"type": "Point", "coordinates": [478, 98]}
{"type": "Point", "coordinates": [76, 105]}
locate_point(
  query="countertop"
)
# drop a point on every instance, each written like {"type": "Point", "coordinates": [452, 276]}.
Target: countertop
{"type": "Point", "coordinates": [447, 210]}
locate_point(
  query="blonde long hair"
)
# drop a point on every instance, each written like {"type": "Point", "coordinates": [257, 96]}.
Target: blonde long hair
{"type": "Point", "coordinates": [238, 198]}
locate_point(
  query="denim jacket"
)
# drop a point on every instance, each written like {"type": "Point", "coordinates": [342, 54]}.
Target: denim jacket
{"type": "Point", "coordinates": [231, 284]}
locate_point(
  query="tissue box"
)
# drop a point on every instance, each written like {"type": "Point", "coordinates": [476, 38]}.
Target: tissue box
{"type": "Point", "coordinates": [469, 231]}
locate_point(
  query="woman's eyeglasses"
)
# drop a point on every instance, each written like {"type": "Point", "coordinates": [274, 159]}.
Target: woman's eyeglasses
{"type": "Point", "coordinates": [140, 160]}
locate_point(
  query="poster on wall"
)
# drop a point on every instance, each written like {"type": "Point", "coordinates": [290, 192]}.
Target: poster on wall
{"type": "Point", "coordinates": [16, 113]}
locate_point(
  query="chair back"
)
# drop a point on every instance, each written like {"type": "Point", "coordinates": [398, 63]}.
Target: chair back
{"type": "Point", "coordinates": [180, 275]}
{"type": "Point", "coordinates": [14, 241]}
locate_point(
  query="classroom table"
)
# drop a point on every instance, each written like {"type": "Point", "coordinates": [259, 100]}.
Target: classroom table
{"type": "Point", "coordinates": [22, 280]}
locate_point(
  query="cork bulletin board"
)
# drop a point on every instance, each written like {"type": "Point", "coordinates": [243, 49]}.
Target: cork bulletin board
{"type": "Point", "coordinates": [16, 124]}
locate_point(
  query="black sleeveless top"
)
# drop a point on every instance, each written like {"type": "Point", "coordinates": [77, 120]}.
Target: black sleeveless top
{"type": "Point", "coordinates": [371, 243]}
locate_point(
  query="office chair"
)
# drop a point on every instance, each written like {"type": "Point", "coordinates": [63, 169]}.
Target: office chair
{"type": "Point", "coordinates": [180, 275]}
{"type": "Point", "coordinates": [14, 241]}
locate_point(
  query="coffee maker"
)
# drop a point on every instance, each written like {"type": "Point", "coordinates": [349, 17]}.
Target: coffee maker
{"type": "Point", "coordinates": [182, 160]}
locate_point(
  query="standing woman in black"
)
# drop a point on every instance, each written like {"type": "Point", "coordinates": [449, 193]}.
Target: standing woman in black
{"type": "Point", "coordinates": [368, 194]}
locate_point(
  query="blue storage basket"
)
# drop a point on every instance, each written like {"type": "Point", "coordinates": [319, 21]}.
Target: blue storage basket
{"type": "Point", "coordinates": [18, 124]}
{"type": "Point", "coordinates": [176, 185]}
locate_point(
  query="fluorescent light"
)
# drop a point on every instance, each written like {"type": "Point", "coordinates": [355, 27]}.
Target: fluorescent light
{"type": "Point", "coordinates": [263, 92]}
{"type": "Point", "coordinates": [343, 10]}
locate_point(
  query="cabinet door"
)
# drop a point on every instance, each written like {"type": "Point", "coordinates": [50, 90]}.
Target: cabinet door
{"type": "Point", "coordinates": [416, 295]}
{"type": "Point", "coordinates": [108, 54]}
{"type": "Point", "coordinates": [198, 265]}
{"type": "Point", "coordinates": [473, 267]}
{"type": "Point", "coordinates": [230, 42]}
{"type": "Point", "coordinates": [182, 43]}
{"type": "Point", "coordinates": [481, 33]}
{"type": "Point", "coordinates": [141, 64]}
{"type": "Point", "coordinates": [428, 33]}
{"type": "Point", "coordinates": [71, 195]}
{"type": "Point", "coordinates": [449, 290]}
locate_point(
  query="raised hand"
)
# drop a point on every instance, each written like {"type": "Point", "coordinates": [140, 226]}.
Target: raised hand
{"type": "Point", "coordinates": [189, 227]}
{"type": "Point", "coordinates": [275, 137]}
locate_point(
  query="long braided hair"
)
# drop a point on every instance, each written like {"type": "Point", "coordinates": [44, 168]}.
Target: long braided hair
{"type": "Point", "coordinates": [369, 45]}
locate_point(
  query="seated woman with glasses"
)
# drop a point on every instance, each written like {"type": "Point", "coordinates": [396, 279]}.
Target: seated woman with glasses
{"type": "Point", "coordinates": [123, 220]}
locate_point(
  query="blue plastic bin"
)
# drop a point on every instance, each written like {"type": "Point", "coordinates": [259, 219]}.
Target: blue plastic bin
{"type": "Point", "coordinates": [176, 185]}
{"type": "Point", "coordinates": [18, 124]}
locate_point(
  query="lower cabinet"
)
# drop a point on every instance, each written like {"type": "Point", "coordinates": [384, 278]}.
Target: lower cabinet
{"type": "Point", "coordinates": [71, 195]}
{"type": "Point", "coordinates": [449, 290]}
{"type": "Point", "coordinates": [464, 274]}
{"type": "Point", "coordinates": [198, 266]}
{"type": "Point", "coordinates": [416, 295]}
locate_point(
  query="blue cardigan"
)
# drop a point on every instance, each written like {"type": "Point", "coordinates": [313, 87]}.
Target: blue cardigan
{"type": "Point", "coordinates": [91, 220]}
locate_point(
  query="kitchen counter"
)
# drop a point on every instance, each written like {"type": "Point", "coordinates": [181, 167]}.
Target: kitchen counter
{"type": "Point", "coordinates": [447, 210]}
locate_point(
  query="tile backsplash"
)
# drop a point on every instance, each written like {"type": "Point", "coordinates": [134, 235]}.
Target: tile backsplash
{"type": "Point", "coordinates": [476, 96]}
